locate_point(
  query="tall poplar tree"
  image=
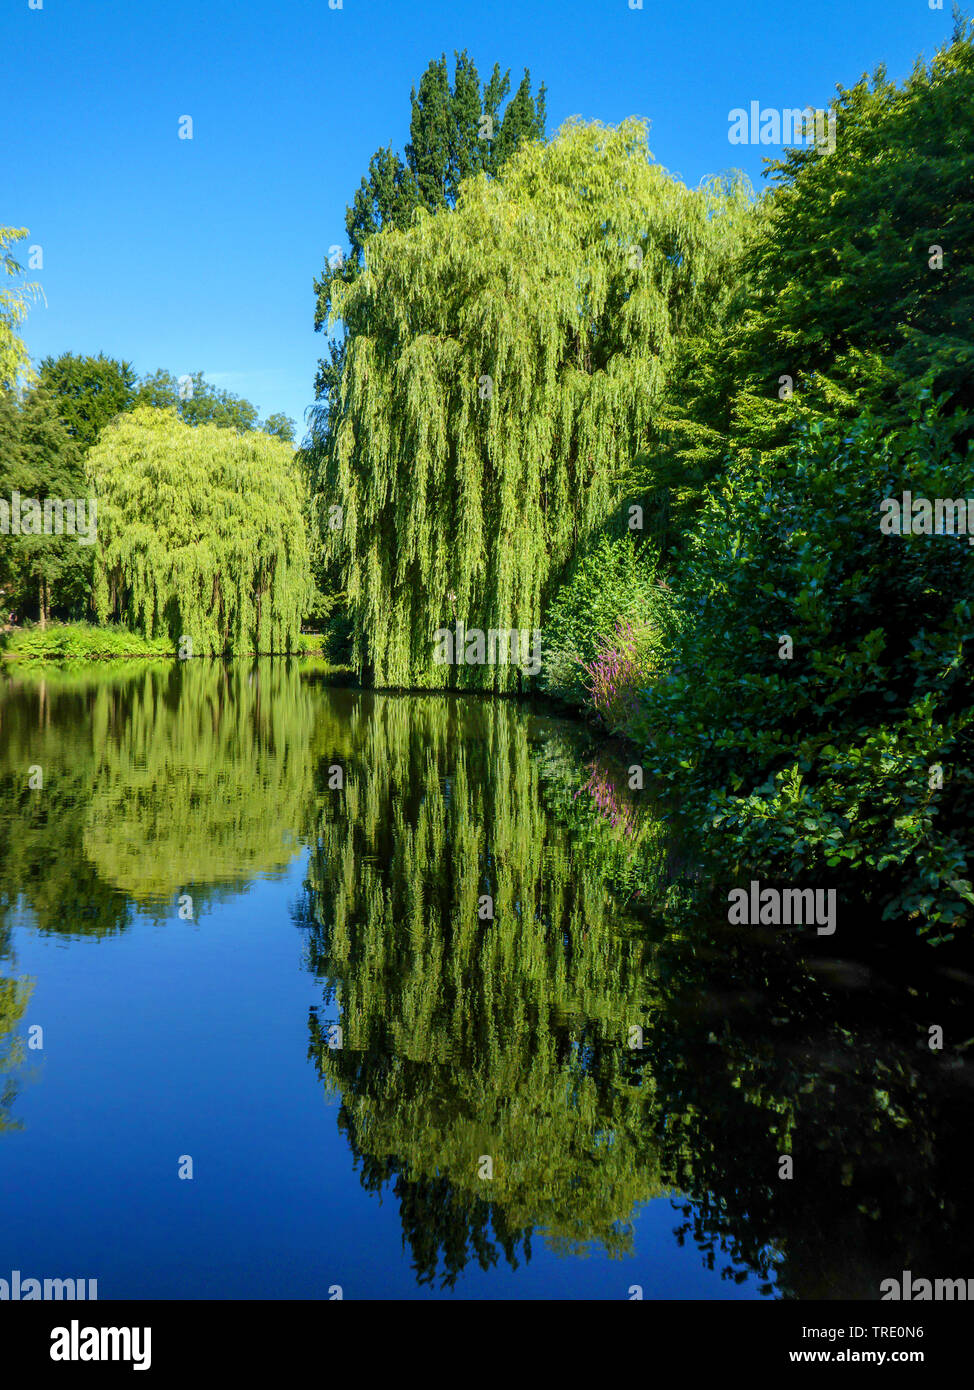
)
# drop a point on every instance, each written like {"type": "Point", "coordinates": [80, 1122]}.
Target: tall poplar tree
{"type": "Point", "coordinates": [503, 363]}
{"type": "Point", "coordinates": [455, 131]}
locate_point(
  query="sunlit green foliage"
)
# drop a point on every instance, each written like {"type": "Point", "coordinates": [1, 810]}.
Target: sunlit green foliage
{"type": "Point", "coordinates": [615, 579]}
{"type": "Point", "coordinates": [820, 762]}
{"type": "Point", "coordinates": [504, 360]}
{"type": "Point", "coordinates": [14, 998]}
{"type": "Point", "coordinates": [89, 392]}
{"type": "Point", "coordinates": [15, 302]}
{"type": "Point", "coordinates": [200, 534]}
{"type": "Point", "coordinates": [456, 130]}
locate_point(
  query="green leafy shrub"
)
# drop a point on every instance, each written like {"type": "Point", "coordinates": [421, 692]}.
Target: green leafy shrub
{"type": "Point", "coordinates": [615, 580]}
{"type": "Point", "coordinates": [825, 762]}
{"type": "Point", "coordinates": [338, 636]}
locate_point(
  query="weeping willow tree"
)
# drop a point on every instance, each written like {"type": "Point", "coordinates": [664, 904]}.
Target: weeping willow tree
{"type": "Point", "coordinates": [14, 304]}
{"type": "Point", "coordinates": [200, 533]}
{"type": "Point", "coordinates": [504, 361]}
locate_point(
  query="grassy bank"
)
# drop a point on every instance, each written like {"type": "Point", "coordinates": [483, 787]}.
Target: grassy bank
{"type": "Point", "coordinates": [90, 642]}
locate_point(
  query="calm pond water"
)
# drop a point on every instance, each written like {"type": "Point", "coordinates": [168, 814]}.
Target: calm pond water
{"type": "Point", "coordinates": [225, 865]}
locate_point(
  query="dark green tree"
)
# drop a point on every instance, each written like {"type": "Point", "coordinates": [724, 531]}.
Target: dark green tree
{"type": "Point", "coordinates": [197, 401]}
{"type": "Point", "coordinates": [281, 425]}
{"type": "Point", "coordinates": [43, 573]}
{"type": "Point", "coordinates": [89, 392]}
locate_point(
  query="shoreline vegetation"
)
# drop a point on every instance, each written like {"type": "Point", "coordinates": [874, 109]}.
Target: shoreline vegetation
{"type": "Point", "coordinates": [655, 427]}
{"type": "Point", "coordinates": [80, 641]}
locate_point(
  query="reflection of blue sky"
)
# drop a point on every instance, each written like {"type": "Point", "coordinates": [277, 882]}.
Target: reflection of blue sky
{"type": "Point", "coordinates": [192, 1038]}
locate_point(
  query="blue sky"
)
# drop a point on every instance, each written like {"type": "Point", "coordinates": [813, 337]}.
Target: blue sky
{"type": "Point", "coordinates": [200, 255]}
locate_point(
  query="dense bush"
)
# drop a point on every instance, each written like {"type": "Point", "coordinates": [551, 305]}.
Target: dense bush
{"type": "Point", "coordinates": [826, 760]}
{"type": "Point", "coordinates": [615, 580]}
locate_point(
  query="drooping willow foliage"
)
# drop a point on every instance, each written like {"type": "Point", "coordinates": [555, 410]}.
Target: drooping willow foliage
{"type": "Point", "coordinates": [504, 360]}
{"type": "Point", "coordinates": [14, 304]}
{"type": "Point", "coordinates": [200, 533]}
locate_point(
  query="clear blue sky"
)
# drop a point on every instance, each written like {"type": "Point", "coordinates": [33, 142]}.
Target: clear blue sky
{"type": "Point", "coordinates": [200, 255]}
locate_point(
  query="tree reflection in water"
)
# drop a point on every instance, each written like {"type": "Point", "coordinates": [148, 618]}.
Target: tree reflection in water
{"type": "Point", "coordinates": [511, 1038]}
